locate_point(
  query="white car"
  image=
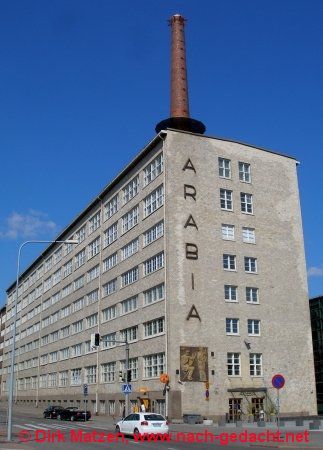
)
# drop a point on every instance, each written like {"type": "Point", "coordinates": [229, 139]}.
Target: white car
{"type": "Point", "coordinates": [143, 423]}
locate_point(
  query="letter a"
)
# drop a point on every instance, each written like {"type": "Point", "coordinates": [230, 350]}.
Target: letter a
{"type": "Point", "coordinates": [193, 314]}
{"type": "Point", "coordinates": [189, 166]}
{"type": "Point", "coordinates": [190, 222]}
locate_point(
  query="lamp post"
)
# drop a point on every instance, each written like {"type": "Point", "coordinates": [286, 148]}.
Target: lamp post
{"type": "Point", "coordinates": [12, 365]}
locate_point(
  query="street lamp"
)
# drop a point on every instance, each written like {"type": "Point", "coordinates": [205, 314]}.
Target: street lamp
{"type": "Point", "coordinates": [12, 365]}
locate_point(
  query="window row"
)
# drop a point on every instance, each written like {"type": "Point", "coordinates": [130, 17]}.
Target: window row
{"type": "Point", "coordinates": [228, 233]}
{"type": "Point", "coordinates": [234, 364]}
{"type": "Point", "coordinates": [230, 263]}
{"type": "Point", "coordinates": [231, 293]}
{"type": "Point", "coordinates": [153, 367]}
{"type": "Point", "coordinates": [232, 326]}
{"type": "Point", "coordinates": [226, 201]}
{"type": "Point", "coordinates": [225, 170]}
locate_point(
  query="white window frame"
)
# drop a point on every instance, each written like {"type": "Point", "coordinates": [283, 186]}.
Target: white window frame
{"type": "Point", "coordinates": [246, 201]}
{"type": "Point", "coordinates": [227, 232]}
{"type": "Point", "coordinates": [226, 199]}
{"type": "Point", "coordinates": [224, 168]}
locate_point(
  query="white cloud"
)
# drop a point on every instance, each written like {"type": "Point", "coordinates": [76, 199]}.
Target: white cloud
{"type": "Point", "coordinates": [315, 271]}
{"type": "Point", "coordinates": [29, 225]}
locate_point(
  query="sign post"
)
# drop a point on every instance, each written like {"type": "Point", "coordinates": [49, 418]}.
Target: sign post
{"type": "Point", "coordinates": [85, 393]}
{"type": "Point", "coordinates": [278, 382]}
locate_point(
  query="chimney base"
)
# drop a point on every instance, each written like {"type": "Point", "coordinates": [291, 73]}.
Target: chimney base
{"type": "Point", "coordinates": [181, 123]}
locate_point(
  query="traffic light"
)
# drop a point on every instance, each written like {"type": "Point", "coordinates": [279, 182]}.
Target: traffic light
{"type": "Point", "coordinates": [128, 375]}
{"type": "Point", "coordinates": [95, 340]}
{"type": "Point", "coordinates": [121, 376]}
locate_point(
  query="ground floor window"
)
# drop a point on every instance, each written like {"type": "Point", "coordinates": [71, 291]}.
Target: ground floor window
{"type": "Point", "coordinates": [234, 409]}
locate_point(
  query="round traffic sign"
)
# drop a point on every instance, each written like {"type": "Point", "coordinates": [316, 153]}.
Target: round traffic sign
{"type": "Point", "coordinates": [278, 381]}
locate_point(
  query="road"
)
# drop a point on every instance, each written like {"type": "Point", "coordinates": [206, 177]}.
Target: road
{"type": "Point", "coordinates": [32, 432]}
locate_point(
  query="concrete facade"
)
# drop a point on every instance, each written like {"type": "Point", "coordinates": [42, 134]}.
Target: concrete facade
{"type": "Point", "coordinates": [188, 261]}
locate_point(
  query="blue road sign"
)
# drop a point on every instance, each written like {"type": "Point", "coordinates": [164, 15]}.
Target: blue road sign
{"type": "Point", "coordinates": [278, 381]}
{"type": "Point", "coordinates": [126, 388]}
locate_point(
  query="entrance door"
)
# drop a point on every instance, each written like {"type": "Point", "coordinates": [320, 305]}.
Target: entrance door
{"type": "Point", "coordinates": [234, 409]}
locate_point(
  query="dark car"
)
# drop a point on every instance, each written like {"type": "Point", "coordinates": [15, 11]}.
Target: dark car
{"type": "Point", "coordinates": [73, 413]}
{"type": "Point", "coordinates": [52, 412]}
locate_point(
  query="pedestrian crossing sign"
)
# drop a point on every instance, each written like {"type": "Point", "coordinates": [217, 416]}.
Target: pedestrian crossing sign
{"type": "Point", "coordinates": [126, 388]}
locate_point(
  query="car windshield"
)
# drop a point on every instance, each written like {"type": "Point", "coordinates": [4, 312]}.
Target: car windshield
{"type": "Point", "coordinates": [152, 417]}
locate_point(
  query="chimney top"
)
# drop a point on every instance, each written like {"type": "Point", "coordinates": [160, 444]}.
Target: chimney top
{"type": "Point", "coordinates": [179, 106]}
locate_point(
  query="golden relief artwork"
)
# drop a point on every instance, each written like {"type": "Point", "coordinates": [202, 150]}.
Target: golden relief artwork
{"type": "Point", "coordinates": [194, 364]}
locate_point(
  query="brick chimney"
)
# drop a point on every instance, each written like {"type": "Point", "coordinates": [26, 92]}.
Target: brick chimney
{"type": "Point", "coordinates": [179, 103]}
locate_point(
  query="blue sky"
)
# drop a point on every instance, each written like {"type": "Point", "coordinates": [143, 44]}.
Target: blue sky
{"type": "Point", "coordinates": [83, 83]}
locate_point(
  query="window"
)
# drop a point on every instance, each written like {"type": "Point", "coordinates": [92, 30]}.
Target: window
{"type": "Point", "coordinates": [67, 268]}
{"type": "Point", "coordinates": [110, 287]}
{"type": "Point", "coordinates": [77, 326]}
{"type": "Point", "coordinates": [78, 304]}
{"type": "Point", "coordinates": [58, 255]}
{"type": "Point", "coordinates": [76, 377]}
{"type": "Point", "coordinates": [44, 359]}
{"type": "Point", "coordinates": [250, 264]}
{"type": "Point", "coordinates": [76, 350]}
{"type": "Point", "coordinates": [48, 266]}
{"type": "Point", "coordinates": [108, 371]}
{"type": "Point", "coordinates": [131, 190]}
{"type": "Point", "coordinates": [233, 364]}
{"type": "Point", "coordinates": [226, 201]}
{"type": "Point", "coordinates": [94, 222]}
{"type": "Point", "coordinates": [45, 340]}
{"type": "Point", "coordinates": [129, 334]}
{"type": "Point", "coordinates": [229, 262]}
{"type": "Point", "coordinates": [65, 312]}
{"type": "Point", "coordinates": [153, 201]}
{"type": "Point", "coordinates": [109, 313]}
{"type": "Point", "coordinates": [68, 247]}
{"type": "Point", "coordinates": [52, 379]}
{"type": "Point", "coordinates": [244, 172]}
{"type": "Point", "coordinates": [53, 357]}
{"type": "Point", "coordinates": [57, 276]}
{"type": "Point", "coordinates": [227, 231]}
{"type": "Point", "coordinates": [93, 297]}
{"type": "Point", "coordinates": [110, 262]}
{"type": "Point", "coordinates": [248, 235]}
{"type": "Point", "coordinates": [154, 263]}
{"type": "Point", "coordinates": [88, 347]}
{"type": "Point", "coordinates": [130, 219]}
{"type": "Point", "coordinates": [154, 327]}
{"type": "Point", "coordinates": [43, 381]}
{"type": "Point", "coordinates": [154, 233]}
{"type": "Point", "coordinates": [230, 293]}
{"type": "Point", "coordinates": [152, 170]}
{"type": "Point", "coordinates": [255, 360]}
{"type": "Point", "coordinates": [79, 283]}
{"type": "Point", "coordinates": [110, 235]}
{"type": "Point", "coordinates": [246, 203]}
{"type": "Point", "coordinates": [63, 378]}
{"type": "Point", "coordinates": [65, 331]}
{"type": "Point", "coordinates": [154, 294]}
{"type": "Point", "coordinates": [129, 305]}
{"type": "Point", "coordinates": [111, 207]}
{"type": "Point", "coordinates": [232, 326]}
{"type": "Point", "coordinates": [80, 234]}
{"type": "Point", "coordinates": [67, 290]}
{"type": "Point", "coordinates": [109, 340]}
{"type": "Point", "coordinates": [80, 259]}
{"type": "Point", "coordinates": [154, 365]}
{"type": "Point", "coordinates": [133, 366]}
{"type": "Point", "coordinates": [130, 249]}
{"type": "Point", "coordinates": [224, 168]}
{"type": "Point", "coordinates": [94, 248]}
{"type": "Point", "coordinates": [65, 353]}
{"type": "Point", "coordinates": [56, 297]}
{"type": "Point", "coordinates": [93, 273]}
{"type": "Point", "coordinates": [129, 277]}
{"type": "Point", "coordinates": [47, 284]}
{"type": "Point", "coordinates": [254, 327]}
{"type": "Point", "coordinates": [252, 295]}
{"type": "Point", "coordinates": [92, 320]}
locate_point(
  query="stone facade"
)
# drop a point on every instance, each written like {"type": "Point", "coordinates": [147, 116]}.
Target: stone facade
{"type": "Point", "coordinates": [193, 313]}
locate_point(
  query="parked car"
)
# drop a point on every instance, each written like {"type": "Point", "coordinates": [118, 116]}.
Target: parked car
{"type": "Point", "coordinates": [73, 413]}
{"type": "Point", "coordinates": [51, 412]}
{"type": "Point", "coordinates": [143, 423]}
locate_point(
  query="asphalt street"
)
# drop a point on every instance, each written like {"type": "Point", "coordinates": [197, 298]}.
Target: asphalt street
{"type": "Point", "coordinates": [32, 432]}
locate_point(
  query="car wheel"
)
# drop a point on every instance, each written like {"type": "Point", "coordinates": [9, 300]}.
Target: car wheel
{"type": "Point", "coordinates": [117, 429]}
{"type": "Point", "coordinates": [59, 417]}
{"type": "Point", "coordinates": [136, 432]}
{"type": "Point", "coordinates": [72, 418]}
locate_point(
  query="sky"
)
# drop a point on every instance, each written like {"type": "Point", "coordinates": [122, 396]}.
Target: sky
{"type": "Point", "coordinates": [83, 84]}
